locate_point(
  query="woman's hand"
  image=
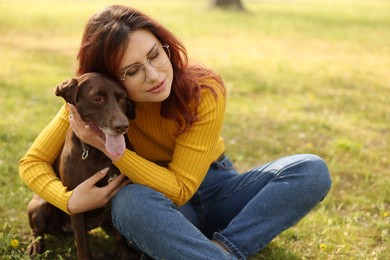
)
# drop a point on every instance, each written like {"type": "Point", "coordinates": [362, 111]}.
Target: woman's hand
{"type": "Point", "coordinates": [82, 130]}
{"type": "Point", "coordinates": [87, 196]}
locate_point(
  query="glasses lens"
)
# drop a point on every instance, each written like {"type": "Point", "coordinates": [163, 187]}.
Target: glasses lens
{"type": "Point", "coordinates": [135, 75]}
{"type": "Point", "coordinates": [161, 57]}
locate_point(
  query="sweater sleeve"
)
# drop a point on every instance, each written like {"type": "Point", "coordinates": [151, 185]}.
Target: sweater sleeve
{"type": "Point", "coordinates": [194, 151]}
{"type": "Point", "coordinates": [35, 168]}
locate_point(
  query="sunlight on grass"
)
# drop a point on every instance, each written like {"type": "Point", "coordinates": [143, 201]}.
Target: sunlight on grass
{"type": "Point", "coordinates": [302, 77]}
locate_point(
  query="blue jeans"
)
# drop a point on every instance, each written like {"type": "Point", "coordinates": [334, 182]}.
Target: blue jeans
{"type": "Point", "coordinates": [243, 212]}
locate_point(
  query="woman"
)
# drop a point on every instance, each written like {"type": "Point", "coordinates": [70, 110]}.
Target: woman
{"type": "Point", "coordinates": [186, 201]}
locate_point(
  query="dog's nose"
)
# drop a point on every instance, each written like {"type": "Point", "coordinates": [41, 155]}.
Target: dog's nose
{"type": "Point", "coordinates": [121, 128]}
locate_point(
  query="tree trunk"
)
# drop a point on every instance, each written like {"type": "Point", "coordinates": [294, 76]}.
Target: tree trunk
{"type": "Point", "coordinates": [228, 4]}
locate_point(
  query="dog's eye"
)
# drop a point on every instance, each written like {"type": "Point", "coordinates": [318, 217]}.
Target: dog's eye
{"type": "Point", "coordinates": [97, 99]}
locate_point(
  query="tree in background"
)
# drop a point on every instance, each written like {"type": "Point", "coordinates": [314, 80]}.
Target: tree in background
{"type": "Point", "coordinates": [228, 4]}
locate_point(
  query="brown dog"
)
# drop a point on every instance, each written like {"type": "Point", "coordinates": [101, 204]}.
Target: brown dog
{"type": "Point", "coordinates": [103, 104]}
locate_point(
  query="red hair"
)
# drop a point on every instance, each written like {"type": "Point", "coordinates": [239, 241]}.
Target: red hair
{"type": "Point", "coordinates": [105, 39]}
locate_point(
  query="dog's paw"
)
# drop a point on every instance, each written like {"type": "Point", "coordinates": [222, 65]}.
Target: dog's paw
{"type": "Point", "coordinates": [35, 248]}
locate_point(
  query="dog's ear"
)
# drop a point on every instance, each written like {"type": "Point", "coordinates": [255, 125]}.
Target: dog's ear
{"type": "Point", "coordinates": [130, 109]}
{"type": "Point", "coordinates": [68, 90]}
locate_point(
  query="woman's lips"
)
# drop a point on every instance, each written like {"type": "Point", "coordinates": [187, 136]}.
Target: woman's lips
{"type": "Point", "coordinates": [159, 88]}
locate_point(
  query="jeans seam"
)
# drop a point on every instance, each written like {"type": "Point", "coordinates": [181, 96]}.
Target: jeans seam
{"type": "Point", "coordinates": [229, 245]}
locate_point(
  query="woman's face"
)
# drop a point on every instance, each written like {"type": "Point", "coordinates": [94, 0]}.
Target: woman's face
{"type": "Point", "coordinates": [146, 68]}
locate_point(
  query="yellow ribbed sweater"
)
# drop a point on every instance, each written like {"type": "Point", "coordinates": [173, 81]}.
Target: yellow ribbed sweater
{"type": "Point", "coordinates": [185, 158]}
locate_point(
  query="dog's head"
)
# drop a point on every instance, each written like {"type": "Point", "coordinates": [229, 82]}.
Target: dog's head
{"type": "Point", "coordinates": [102, 103]}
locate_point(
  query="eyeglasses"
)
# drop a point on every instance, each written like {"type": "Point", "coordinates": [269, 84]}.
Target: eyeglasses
{"type": "Point", "coordinates": [135, 74]}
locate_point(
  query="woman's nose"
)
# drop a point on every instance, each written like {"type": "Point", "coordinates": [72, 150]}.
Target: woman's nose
{"type": "Point", "coordinates": [151, 73]}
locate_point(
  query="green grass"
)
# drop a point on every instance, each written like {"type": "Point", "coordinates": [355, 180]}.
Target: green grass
{"type": "Point", "coordinates": [302, 76]}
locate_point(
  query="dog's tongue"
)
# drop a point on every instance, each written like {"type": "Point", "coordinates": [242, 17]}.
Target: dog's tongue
{"type": "Point", "coordinates": [115, 145]}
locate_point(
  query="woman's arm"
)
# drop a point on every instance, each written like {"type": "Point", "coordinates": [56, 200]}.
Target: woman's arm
{"type": "Point", "coordinates": [36, 171]}
{"type": "Point", "coordinates": [35, 168]}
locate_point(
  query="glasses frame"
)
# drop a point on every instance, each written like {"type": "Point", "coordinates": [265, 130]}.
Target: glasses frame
{"type": "Point", "coordinates": [165, 48]}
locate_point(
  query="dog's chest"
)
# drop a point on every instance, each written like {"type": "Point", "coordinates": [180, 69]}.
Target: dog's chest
{"type": "Point", "coordinates": [76, 167]}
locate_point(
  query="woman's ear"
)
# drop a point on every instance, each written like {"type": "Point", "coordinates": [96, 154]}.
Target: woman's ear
{"type": "Point", "coordinates": [130, 109]}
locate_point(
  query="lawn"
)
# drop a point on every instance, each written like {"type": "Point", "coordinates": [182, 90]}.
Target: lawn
{"type": "Point", "coordinates": [302, 77]}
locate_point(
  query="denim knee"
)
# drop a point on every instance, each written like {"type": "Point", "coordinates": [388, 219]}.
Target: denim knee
{"type": "Point", "coordinates": [318, 173]}
{"type": "Point", "coordinates": [126, 208]}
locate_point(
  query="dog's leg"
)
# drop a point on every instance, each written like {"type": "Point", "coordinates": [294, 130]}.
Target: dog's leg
{"type": "Point", "coordinates": [124, 251]}
{"type": "Point", "coordinates": [36, 246]}
{"type": "Point", "coordinates": [80, 234]}
{"type": "Point", "coordinates": [44, 218]}
{"type": "Point", "coordinates": [38, 212]}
